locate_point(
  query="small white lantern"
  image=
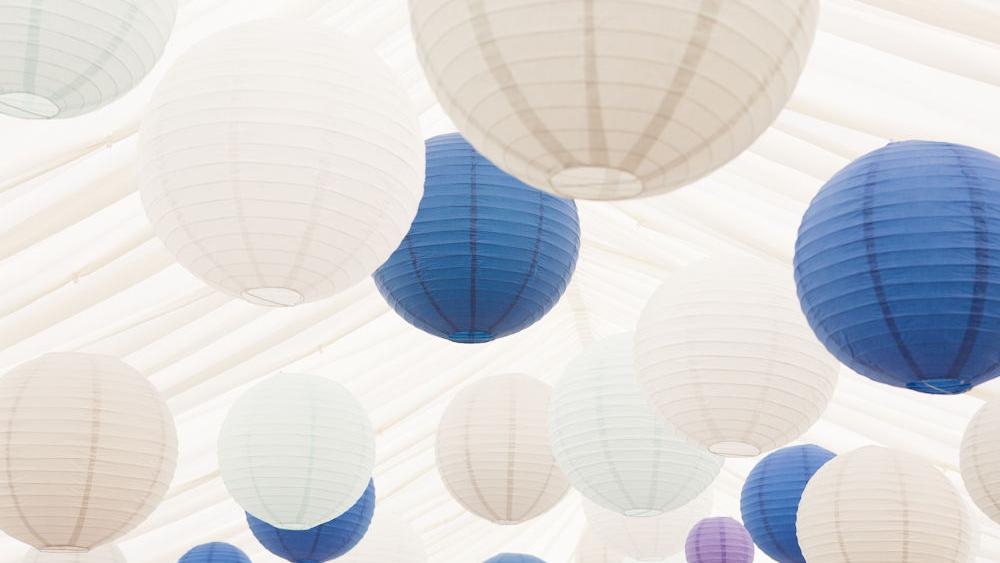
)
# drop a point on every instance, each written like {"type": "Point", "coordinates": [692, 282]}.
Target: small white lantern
{"type": "Point", "coordinates": [389, 539]}
{"type": "Point", "coordinates": [280, 162]}
{"type": "Point", "coordinates": [651, 538]}
{"type": "Point", "coordinates": [611, 445]}
{"type": "Point", "coordinates": [980, 459]}
{"type": "Point", "coordinates": [493, 449]}
{"type": "Point", "coordinates": [102, 554]}
{"type": "Point", "coordinates": [590, 549]}
{"type": "Point", "coordinates": [296, 451]}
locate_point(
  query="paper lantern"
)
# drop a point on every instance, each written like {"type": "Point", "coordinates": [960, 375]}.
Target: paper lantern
{"type": "Point", "coordinates": [321, 543]}
{"type": "Point", "coordinates": [719, 540]}
{"type": "Point", "coordinates": [215, 552]}
{"type": "Point", "coordinates": [650, 538]}
{"type": "Point", "coordinates": [89, 450]}
{"type": "Point", "coordinates": [513, 558]}
{"type": "Point", "coordinates": [296, 451]}
{"type": "Point", "coordinates": [592, 550]}
{"type": "Point", "coordinates": [724, 354]}
{"type": "Point", "coordinates": [389, 539]}
{"type": "Point", "coordinates": [280, 162]}
{"type": "Point", "coordinates": [980, 459]}
{"type": "Point", "coordinates": [493, 449]}
{"type": "Point", "coordinates": [898, 266]}
{"type": "Point", "coordinates": [876, 505]}
{"type": "Point", "coordinates": [102, 554]}
{"type": "Point", "coordinates": [770, 499]}
{"type": "Point", "coordinates": [611, 445]}
{"type": "Point", "coordinates": [63, 58]}
{"type": "Point", "coordinates": [486, 256]}
{"type": "Point", "coordinates": [610, 99]}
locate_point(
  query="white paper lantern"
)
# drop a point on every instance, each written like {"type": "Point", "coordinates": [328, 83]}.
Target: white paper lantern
{"type": "Point", "coordinates": [281, 162]}
{"type": "Point", "coordinates": [590, 549]}
{"type": "Point", "coordinates": [62, 58]}
{"type": "Point", "coordinates": [102, 554]}
{"type": "Point", "coordinates": [650, 538]}
{"type": "Point", "coordinates": [611, 445]}
{"type": "Point", "coordinates": [609, 99]}
{"type": "Point", "coordinates": [389, 539]}
{"type": "Point", "coordinates": [876, 505]}
{"type": "Point", "coordinates": [296, 451]}
{"type": "Point", "coordinates": [87, 450]}
{"type": "Point", "coordinates": [493, 449]}
{"type": "Point", "coordinates": [980, 459]}
{"type": "Point", "coordinates": [726, 356]}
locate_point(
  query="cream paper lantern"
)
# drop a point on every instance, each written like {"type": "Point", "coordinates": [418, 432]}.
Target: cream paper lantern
{"type": "Point", "coordinates": [726, 356]}
{"type": "Point", "coordinates": [651, 538]}
{"type": "Point", "coordinates": [63, 58]}
{"type": "Point", "coordinates": [493, 449]}
{"type": "Point", "coordinates": [876, 505]}
{"type": "Point", "coordinates": [611, 99]}
{"type": "Point", "coordinates": [611, 445]}
{"type": "Point", "coordinates": [102, 554]}
{"type": "Point", "coordinates": [296, 451]}
{"type": "Point", "coordinates": [590, 549]}
{"type": "Point", "coordinates": [980, 459]}
{"type": "Point", "coordinates": [389, 539]}
{"type": "Point", "coordinates": [87, 451]}
{"type": "Point", "coordinates": [280, 162]}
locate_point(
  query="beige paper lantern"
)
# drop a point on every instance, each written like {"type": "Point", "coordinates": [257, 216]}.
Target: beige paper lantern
{"type": "Point", "coordinates": [726, 356]}
{"type": "Point", "coordinates": [980, 459]}
{"type": "Point", "coordinates": [280, 162]}
{"type": "Point", "coordinates": [102, 554]}
{"type": "Point", "coordinates": [88, 451]}
{"type": "Point", "coordinates": [493, 449]}
{"type": "Point", "coordinates": [651, 538]}
{"type": "Point", "coordinates": [389, 539]}
{"type": "Point", "coordinates": [590, 549]}
{"type": "Point", "coordinates": [610, 99]}
{"type": "Point", "coordinates": [876, 505]}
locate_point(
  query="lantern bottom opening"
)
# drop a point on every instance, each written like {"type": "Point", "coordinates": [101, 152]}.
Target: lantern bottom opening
{"type": "Point", "coordinates": [595, 182]}
{"type": "Point", "coordinates": [940, 386]}
{"type": "Point", "coordinates": [27, 105]}
{"type": "Point", "coordinates": [63, 549]}
{"type": "Point", "coordinates": [273, 296]}
{"type": "Point", "coordinates": [471, 336]}
{"type": "Point", "coordinates": [734, 449]}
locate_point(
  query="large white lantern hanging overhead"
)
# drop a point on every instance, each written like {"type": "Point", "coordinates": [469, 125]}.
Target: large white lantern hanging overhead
{"type": "Point", "coordinates": [102, 554]}
{"type": "Point", "coordinates": [610, 99]}
{"type": "Point", "coordinates": [611, 445]}
{"type": "Point", "coordinates": [389, 539]}
{"type": "Point", "coordinates": [63, 58]}
{"type": "Point", "coordinates": [493, 449]}
{"type": "Point", "coordinates": [652, 538]}
{"type": "Point", "coordinates": [296, 451]}
{"type": "Point", "coordinates": [980, 459]}
{"type": "Point", "coordinates": [280, 162]}
{"type": "Point", "coordinates": [726, 356]}
{"type": "Point", "coordinates": [876, 505]}
{"type": "Point", "coordinates": [89, 450]}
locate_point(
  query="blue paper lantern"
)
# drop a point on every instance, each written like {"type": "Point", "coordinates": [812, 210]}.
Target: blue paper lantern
{"type": "Point", "coordinates": [770, 499]}
{"type": "Point", "coordinates": [486, 256]}
{"type": "Point", "coordinates": [215, 552]}
{"type": "Point", "coordinates": [324, 542]}
{"type": "Point", "coordinates": [898, 266]}
{"type": "Point", "coordinates": [513, 558]}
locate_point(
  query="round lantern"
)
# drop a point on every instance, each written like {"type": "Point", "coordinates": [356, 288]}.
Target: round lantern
{"type": "Point", "coordinates": [725, 355]}
{"type": "Point", "coordinates": [513, 558]}
{"type": "Point", "coordinates": [980, 459]}
{"type": "Point", "coordinates": [486, 256]}
{"type": "Point", "coordinates": [609, 99]}
{"type": "Point", "coordinates": [215, 552]}
{"type": "Point", "coordinates": [89, 450]}
{"type": "Point", "coordinates": [898, 271]}
{"type": "Point", "coordinates": [389, 540]}
{"type": "Point", "coordinates": [296, 451]}
{"type": "Point", "coordinates": [719, 540]}
{"type": "Point", "coordinates": [63, 58]}
{"type": "Point", "coordinates": [770, 499]}
{"type": "Point", "coordinates": [280, 162]}
{"type": "Point", "coordinates": [592, 550]}
{"type": "Point", "coordinates": [876, 505]}
{"type": "Point", "coordinates": [652, 538]}
{"type": "Point", "coordinates": [611, 445]}
{"type": "Point", "coordinates": [493, 449]}
{"type": "Point", "coordinates": [321, 543]}
{"type": "Point", "coordinates": [102, 554]}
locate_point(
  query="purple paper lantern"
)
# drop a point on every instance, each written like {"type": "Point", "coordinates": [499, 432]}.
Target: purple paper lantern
{"type": "Point", "coordinates": [719, 540]}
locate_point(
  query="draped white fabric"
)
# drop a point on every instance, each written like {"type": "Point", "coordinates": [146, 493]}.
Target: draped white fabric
{"type": "Point", "coordinates": [80, 270]}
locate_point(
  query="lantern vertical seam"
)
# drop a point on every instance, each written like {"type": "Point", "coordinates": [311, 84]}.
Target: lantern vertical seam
{"type": "Point", "coordinates": [608, 456]}
{"type": "Point", "coordinates": [595, 121]}
{"type": "Point", "coordinates": [311, 435]}
{"type": "Point", "coordinates": [408, 241]}
{"type": "Point", "coordinates": [26, 379]}
{"type": "Point", "coordinates": [473, 243]}
{"type": "Point", "coordinates": [469, 466]}
{"type": "Point", "coordinates": [511, 446]}
{"type": "Point", "coordinates": [532, 267]}
{"type": "Point", "coordinates": [95, 435]}
{"type": "Point", "coordinates": [31, 46]}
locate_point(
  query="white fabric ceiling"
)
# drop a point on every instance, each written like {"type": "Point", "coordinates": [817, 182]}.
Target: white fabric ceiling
{"type": "Point", "coordinates": [81, 270]}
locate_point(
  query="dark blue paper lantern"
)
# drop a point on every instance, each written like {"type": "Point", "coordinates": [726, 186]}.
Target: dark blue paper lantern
{"type": "Point", "coordinates": [486, 256]}
{"type": "Point", "coordinates": [898, 266]}
{"type": "Point", "coordinates": [770, 499]}
{"type": "Point", "coordinates": [322, 543]}
{"type": "Point", "coordinates": [215, 552]}
{"type": "Point", "coordinates": [513, 558]}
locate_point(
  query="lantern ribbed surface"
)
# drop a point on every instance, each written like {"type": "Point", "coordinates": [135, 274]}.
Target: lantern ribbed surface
{"type": "Point", "coordinates": [296, 451]}
{"type": "Point", "coordinates": [652, 538]}
{"type": "Point", "coordinates": [725, 356]}
{"type": "Point", "coordinates": [770, 499]}
{"type": "Point", "coordinates": [280, 162]}
{"type": "Point", "coordinates": [590, 549]}
{"type": "Point", "coordinates": [215, 552]}
{"type": "Point", "coordinates": [719, 540]}
{"type": "Point", "coordinates": [486, 256]}
{"type": "Point", "coordinates": [610, 99]}
{"type": "Point", "coordinates": [389, 539]}
{"type": "Point", "coordinates": [493, 450]}
{"type": "Point", "coordinates": [89, 450]}
{"type": "Point", "coordinates": [980, 459]}
{"type": "Point", "coordinates": [876, 505]}
{"type": "Point", "coordinates": [513, 558]}
{"type": "Point", "coordinates": [611, 445]}
{"type": "Point", "coordinates": [898, 266]}
{"type": "Point", "coordinates": [102, 554]}
{"type": "Point", "coordinates": [63, 58]}
{"type": "Point", "coordinates": [327, 541]}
